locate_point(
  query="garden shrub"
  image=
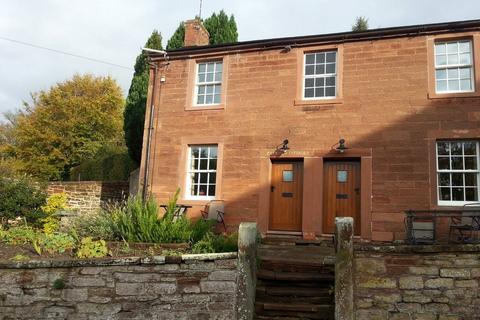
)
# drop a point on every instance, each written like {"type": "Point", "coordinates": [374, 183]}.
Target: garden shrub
{"type": "Point", "coordinates": [18, 235]}
{"type": "Point", "coordinates": [21, 197]}
{"type": "Point", "coordinates": [97, 226]}
{"type": "Point", "coordinates": [205, 245]}
{"type": "Point", "coordinates": [55, 203]}
{"type": "Point", "coordinates": [200, 228]}
{"type": "Point", "coordinates": [90, 248]}
{"type": "Point", "coordinates": [211, 243]}
{"type": "Point", "coordinates": [51, 243]}
{"type": "Point", "coordinates": [56, 242]}
{"type": "Point", "coordinates": [138, 221]}
{"type": "Point", "coordinates": [111, 163]}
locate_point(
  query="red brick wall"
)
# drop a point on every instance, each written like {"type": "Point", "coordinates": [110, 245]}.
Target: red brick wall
{"type": "Point", "coordinates": [385, 108]}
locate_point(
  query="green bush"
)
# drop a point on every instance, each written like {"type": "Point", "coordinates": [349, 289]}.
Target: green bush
{"type": "Point", "coordinates": [205, 245]}
{"type": "Point", "coordinates": [18, 235]}
{"type": "Point", "coordinates": [21, 197]}
{"type": "Point", "coordinates": [90, 248]}
{"type": "Point", "coordinates": [211, 243]}
{"type": "Point", "coordinates": [55, 203]}
{"type": "Point", "coordinates": [111, 163]}
{"type": "Point", "coordinates": [97, 226]}
{"type": "Point", "coordinates": [51, 243]}
{"type": "Point", "coordinates": [55, 242]}
{"type": "Point", "coordinates": [138, 221]}
{"type": "Point", "coordinates": [200, 228]}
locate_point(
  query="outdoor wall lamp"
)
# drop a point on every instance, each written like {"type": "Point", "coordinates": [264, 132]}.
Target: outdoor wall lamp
{"type": "Point", "coordinates": [284, 146]}
{"type": "Point", "coordinates": [341, 146]}
{"type": "Point", "coordinates": [287, 49]}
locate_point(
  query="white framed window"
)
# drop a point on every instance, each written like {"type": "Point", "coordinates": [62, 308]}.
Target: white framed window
{"type": "Point", "coordinates": [458, 173]}
{"type": "Point", "coordinates": [454, 70]}
{"type": "Point", "coordinates": [320, 75]}
{"type": "Point", "coordinates": [202, 171]}
{"type": "Point", "coordinates": [208, 83]}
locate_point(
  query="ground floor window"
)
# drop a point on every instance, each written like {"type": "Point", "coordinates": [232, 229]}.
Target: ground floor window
{"type": "Point", "coordinates": [202, 171]}
{"type": "Point", "coordinates": [458, 172]}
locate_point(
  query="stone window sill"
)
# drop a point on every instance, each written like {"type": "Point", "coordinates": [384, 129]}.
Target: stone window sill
{"type": "Point", "coordinates": [434, 95]}
{"type": "Point", "coordinates": [203, 108]}
{"type": "Point", "coordinates": [300, 102]}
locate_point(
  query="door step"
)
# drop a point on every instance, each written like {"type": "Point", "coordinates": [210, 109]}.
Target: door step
{"type": "Point", "coordinates": [294, 276]}
{"type": "Point", "coordinates": [287, 291]}
{"type": "Point", "coordinates": [294, 311]}
{"type": "Point", "coordinates": [291, 240]}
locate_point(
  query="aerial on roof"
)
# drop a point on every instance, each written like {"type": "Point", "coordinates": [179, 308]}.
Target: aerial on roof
{"type": "Point", "coordinates": [372, 34]}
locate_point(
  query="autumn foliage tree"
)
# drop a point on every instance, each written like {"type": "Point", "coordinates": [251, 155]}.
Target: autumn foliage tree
{"type": "Point", "coordinates": [66, 125]}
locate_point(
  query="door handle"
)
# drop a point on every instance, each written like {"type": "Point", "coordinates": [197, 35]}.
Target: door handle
{"type": "Point", "coordinates": [357, 190]}
{"type": "Point", "coordinates": [272, 188]}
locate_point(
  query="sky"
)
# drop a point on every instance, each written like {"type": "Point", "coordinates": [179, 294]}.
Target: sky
{"type": "Point", "coordinates": [115, 30]}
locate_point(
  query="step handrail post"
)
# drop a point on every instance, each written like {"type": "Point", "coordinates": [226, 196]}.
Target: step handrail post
{"type": "Point", "coordinates": [344, 268]}
{"type": "Point", "coordinates": [247, 269]}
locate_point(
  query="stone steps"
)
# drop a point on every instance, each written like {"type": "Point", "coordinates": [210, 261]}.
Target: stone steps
{"type": "Point", "coordinates": [289, 291]}
{"type": "Point", "coordinates": [294, 276]}
{"type": "Point", "coordinates": [294, 281]}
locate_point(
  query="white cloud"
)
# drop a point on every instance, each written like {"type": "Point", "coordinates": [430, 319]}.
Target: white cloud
{"type": "Point", "coordinates": [114, 30]}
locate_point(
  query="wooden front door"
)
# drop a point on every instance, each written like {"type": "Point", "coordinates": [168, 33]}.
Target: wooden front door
{"type": "Point", "coordinates": [286, 194]}
{"type": "Point", "coordinates": [341, 193]}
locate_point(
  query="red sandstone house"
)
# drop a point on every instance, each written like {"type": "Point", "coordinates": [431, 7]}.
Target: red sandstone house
{"type": "Point", "coordinates": [406, 101]}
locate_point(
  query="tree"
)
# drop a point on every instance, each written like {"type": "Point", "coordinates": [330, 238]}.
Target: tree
{"type": "Point", "coordinates": [7, 164]}
{"type": "Point", "coordinates": [222, 29]}
{"type": "Point", "coordinates": [176, 41]}
{"type": "Point", "coordinates": [134, 114]}
{"type": "Point", "coordinates": [361, 24]}
{"type": "Point", "coordinates": [66, 125]}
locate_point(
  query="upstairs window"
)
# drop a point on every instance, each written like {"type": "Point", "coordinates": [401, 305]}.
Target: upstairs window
{"type": "Point", "coordinates": [209, 83]}
{"type": "Point", "coordinates": [454, 66]}
{"type": "Point", "coordinates": [202, 171]}
{"type": "Point", "coordinates": [320, 75]}
{"type": "Point", "coordinates": [458, 172]}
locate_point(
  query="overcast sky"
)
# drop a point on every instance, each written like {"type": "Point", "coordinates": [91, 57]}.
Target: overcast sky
{"type": "Point", "coordinates": [114, 30]}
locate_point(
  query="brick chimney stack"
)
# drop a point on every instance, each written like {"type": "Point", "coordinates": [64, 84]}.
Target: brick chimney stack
{"type": "Point", "coordinates": [195, 33]}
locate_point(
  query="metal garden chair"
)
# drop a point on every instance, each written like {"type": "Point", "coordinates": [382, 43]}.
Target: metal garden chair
{"type": "Point", "coordinates": [215, 210]}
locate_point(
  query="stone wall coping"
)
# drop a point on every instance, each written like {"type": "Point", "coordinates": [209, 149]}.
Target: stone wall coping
{"type": "Point", "coordinates": [419, 248]}
{"type": "Point", "coordinates": [124, 261]}
{"type": "Point", "coordinates": [86, 182]}
{"type": "Point", "coordinates": [209, 256]}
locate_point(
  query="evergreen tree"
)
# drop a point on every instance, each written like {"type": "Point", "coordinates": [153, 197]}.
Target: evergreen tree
{"type": "Point", "coordinates": [134, 114]}
{"type": "Point", "coordinates": [222, 29]}
{"type": "Point", "coordinates": [361, 24]}
{"type": "Point", "coordinates": [176, 41]}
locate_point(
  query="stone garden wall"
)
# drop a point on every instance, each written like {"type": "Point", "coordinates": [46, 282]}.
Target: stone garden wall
{"type": "Point", "coordinates": [186, 287]}
{"type": "Point", "coordinates": [89, 196]}
{"type": "Point", "coordinates": [417, 282]}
